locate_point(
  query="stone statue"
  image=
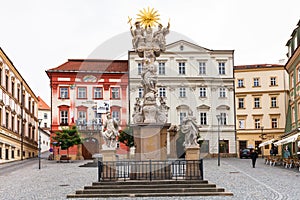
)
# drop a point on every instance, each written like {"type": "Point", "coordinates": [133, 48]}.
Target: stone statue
{"type": "Point", "coordinates": [149, 78]}
{"type": "Point", "coordinates": [159, 37]}
{"type": "Point", "coordinates": [138, 40]}
{"type": "Point", "coordinates": [190, 129]}
{"type": "Point", "coordinates": [149, 43]}
{"type": "Point", "coordinates": [111, 131]}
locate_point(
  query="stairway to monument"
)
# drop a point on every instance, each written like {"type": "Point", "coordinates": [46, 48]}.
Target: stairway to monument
{"type": "Point", "coordinates": [159, 188]}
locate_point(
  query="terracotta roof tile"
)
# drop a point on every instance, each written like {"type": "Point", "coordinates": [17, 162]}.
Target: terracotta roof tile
{"type": "Point", "coordinates": [257, 66]}
{"type": "Point", "coordinates": [93, 65]}
{"type": "Point", "coordinates": [42, 105]}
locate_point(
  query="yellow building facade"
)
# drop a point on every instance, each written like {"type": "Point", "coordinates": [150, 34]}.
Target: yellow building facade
{"type": "Point", "coordinates": [18, 114]}
{"type": "Point", "coordinates": [261, 98]}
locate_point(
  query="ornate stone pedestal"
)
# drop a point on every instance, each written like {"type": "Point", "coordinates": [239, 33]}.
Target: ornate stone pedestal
{"type": "Point", "coordinates": [151, 141]}
{"type": "Point", "coordinates": [192, 153]}
{"type": "Point", "coordinates": [173, 138]}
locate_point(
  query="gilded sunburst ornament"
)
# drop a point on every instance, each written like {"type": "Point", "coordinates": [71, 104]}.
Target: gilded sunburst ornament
{"type": "Point", "coordinates": [148, 17]}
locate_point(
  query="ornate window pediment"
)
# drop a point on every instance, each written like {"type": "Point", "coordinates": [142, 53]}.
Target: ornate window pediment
{"type": "Point", "coordinates": [223, 107]}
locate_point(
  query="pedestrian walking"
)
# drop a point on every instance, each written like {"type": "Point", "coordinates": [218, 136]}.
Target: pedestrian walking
{"type": "Point", "coordinates": [254, 156]}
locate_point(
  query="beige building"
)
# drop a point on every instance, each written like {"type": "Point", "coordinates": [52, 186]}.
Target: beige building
{"type": "Point", "coordinates": [261, 93]}
{"type": "Point", "coordinates": [18, 114]}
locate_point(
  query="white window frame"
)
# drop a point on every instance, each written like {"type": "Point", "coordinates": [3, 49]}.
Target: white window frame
{"type": "Point", "coordinates": [222, 70]}
{"type": "Point", "coordinates": [256, 82]}
{"type": "Point", "coordinates": [161, 68]}
{"type": "Point", "coordinates": [274, 122]}
{"type": "Point", "coordinates": [98, 92]}
{"type": "Point", "coordinates": [202, 68]}
{"type": "Point", "coordinates": [64, 117]}
{"type": "Point", "coordinates": [182, 92]}
{"type": "Point", "coordinates": [273, 81]}
{"type": "Point", "coordinates": [64, 92]}
{"type": "Point", "coordinates": [139, 68]}
{"type": "Point", "coordinates": [241, 103]}
{"type": "Point", "coordinates": [181, 68]}
{"type": "Point", "coordinates": [256, 102]}
{"type": "Point", "coordinates": [162, 92]}
{"type": "Point", "coordinates": [115, 93]}
{"type": "Point", "coordinates": [140, 92]}
{"type": "Point", "coordinates": [240, 83]}
{"type": "Point", "coordinates": [182, 115]}
{"type": "Point", "coordinates": [222, 92]}
{"type": "Point", "coordinates": [81, 92]}
{"type": "Point", "coordinates": [202, 92]}
{"type": "Point", "coordinates": [273, 102]}
{"type": "Point", "coordinates": [223, 119]}
{"type": "Point", "coordinates": [203, 118]}
{"type": "Point", "coordinates": [257, 123]}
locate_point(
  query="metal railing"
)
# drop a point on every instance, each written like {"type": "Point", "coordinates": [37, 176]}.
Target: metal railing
{"type": "Point", "coordinates": [150, 170]}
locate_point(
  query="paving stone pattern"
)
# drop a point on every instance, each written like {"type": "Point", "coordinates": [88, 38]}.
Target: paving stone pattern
{"type": "Point", "coordinates": [56, 180]}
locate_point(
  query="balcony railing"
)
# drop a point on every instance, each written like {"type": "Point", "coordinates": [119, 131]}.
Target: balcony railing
{"type": "Point", "coordinates": [88, 126]}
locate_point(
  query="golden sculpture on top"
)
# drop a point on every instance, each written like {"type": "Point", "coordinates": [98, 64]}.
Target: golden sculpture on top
{"type": "Point", "coordinates": [148, 17]}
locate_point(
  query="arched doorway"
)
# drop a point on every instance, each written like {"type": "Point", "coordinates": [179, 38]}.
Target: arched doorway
{"type": "Point", "coordinates": [90, 146]}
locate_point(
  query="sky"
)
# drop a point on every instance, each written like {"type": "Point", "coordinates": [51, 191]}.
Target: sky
{"type": "Point", "coordinates": [38, 35]}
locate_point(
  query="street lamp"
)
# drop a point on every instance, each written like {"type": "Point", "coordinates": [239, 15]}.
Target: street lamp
{"type": "Point", "coordinates": [219, 118]}
{"type": "Point", "coordinates": [40, 120]}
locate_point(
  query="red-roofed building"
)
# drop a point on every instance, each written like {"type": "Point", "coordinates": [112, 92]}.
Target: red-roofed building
{"type": "Point", "coordinates": [44, 113]}
{"type": "Point", "coordinates": [78, 89]}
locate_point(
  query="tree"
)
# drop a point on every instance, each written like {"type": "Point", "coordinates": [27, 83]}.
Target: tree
{"type": "Point", "coordinates": [67, 138]}
{"type": "Point", "coordinates": [126, 137]}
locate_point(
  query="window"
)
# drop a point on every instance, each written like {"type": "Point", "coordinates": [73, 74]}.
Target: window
{"type": "Point", "coordinates": [257, 123]}
{"type": "Point", "coordinates": [140, 68]}
{"type": "Point", "coordinates": [162, 92]}
{"type": "Point", "coordinates": [273, 81]}
{"type": "Point", "coordinates": [45, 125]}
{"type": "Point", "coordinates": [299, 74]}
{"type": "Point", "coordinates": [6, 82]}
{"type": "Point", "coordinates": [12, 123]}
{"type": "Point", "coordinates": [12, 153]}
{"type": "Point", "coordinates": [273, 102]}
{"type": "Point", "coordinates": [18, 94]}
{"type": "Point", "coordinates": [82, 116]}
{"type": "Point", "coordinates": [182, 115]}
{"type": "Point", "coordinates": [13, 88]}
{"type": "Point", "coordinates": [64, 117]}
{"type": "Point", "coordinates": [98, 93]}
{"type": "Point", "coordinates": [240, 83]}
{"type": "Point", "coordinates": [115, 93]}
{"type": "Point", "coordinates": [141, 92]}
{"type": "Point", "coordinates": [202, 68]}
{"type": "Point", "coordinates": [202, 92]}
{"type": "Point", "coordinates": [182, 93]}
{"type": "Point", "coordinates": [115, 115]}
{"type": "Point", "coordinates": [0, 153]}
{"type": "Point", "coordinates": [64, 92]}
{"type": "Point", "coordinates": [241, 124]}
{"type": "Point", "coordinates": [161, 68]}
{"type": "Point", "coordinates": [222, 92]}
{"type": "Point", "coordinates": [223, 119]}
{"type": "Point", "coordinates": [221, 67]}
{"type": "Point", "coordinates": [241, 102]}
{"type": "Point", "coordinates": [181, 68]}
{"type": "Point", "coordinates": [274, 123]}
{"type": "Point", "coordinates": [45, 116]}
{"type": "Point", "coordinates": [256, 82]}
{"type": "Point", "coordinates": [6, 119]}
{"type": "Point", "coordinates": [256, 102]}
{"type": "Point", "coordinates": [203, 118]}
{"type": "Point", "coordinates": [81, 92]}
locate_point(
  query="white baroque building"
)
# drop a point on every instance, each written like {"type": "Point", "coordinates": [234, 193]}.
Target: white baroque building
{"type": "Point", "coordinates": [194, 78]}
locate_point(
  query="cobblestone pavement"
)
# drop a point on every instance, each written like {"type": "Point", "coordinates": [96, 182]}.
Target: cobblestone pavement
{"type": "Point", "coordinates": [56, 180]}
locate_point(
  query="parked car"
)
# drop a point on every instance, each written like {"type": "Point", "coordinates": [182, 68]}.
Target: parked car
{"type": "Point", "coordinates": [245, 153]}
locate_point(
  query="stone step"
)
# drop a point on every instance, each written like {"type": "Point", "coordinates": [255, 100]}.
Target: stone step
{"type": "Point", "coordinates": [148, 190]}
{"type": "Point", "coordinates": [175, 185]}
{"type": "Point", "coordinates": [154, 182]}
{"type": "Point", "coordinates": [118, 195]}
